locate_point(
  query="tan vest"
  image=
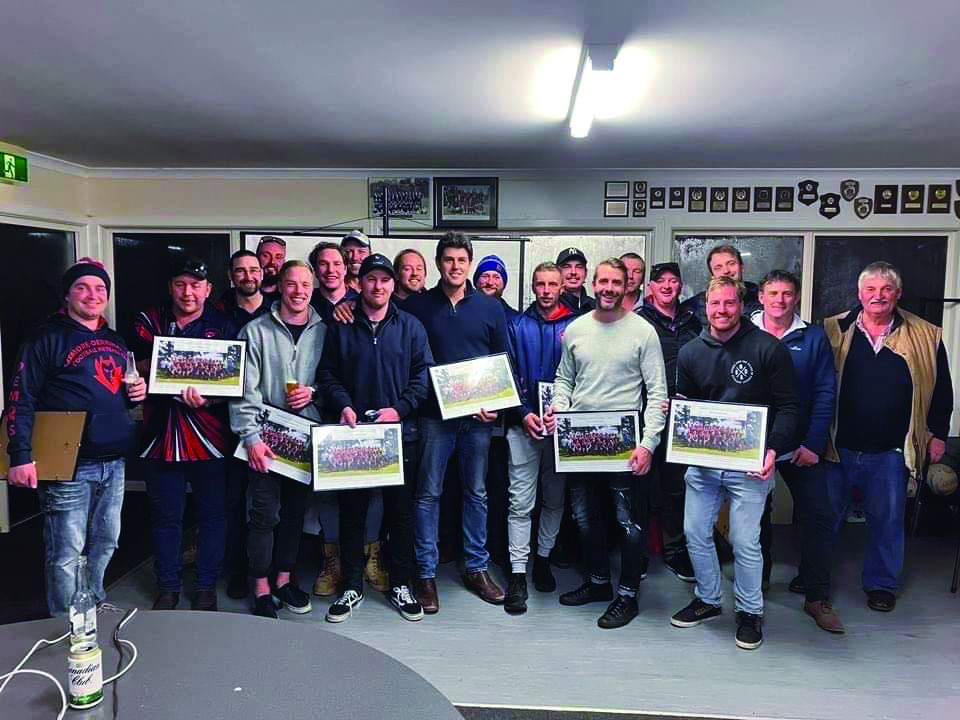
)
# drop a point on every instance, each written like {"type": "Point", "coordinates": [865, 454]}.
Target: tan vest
{"type": "Point", "coordinates": [916, 341]}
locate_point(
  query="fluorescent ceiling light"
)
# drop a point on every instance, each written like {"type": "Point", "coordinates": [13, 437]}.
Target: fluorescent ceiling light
{"type": "Point", "coordinates": [609, 85]}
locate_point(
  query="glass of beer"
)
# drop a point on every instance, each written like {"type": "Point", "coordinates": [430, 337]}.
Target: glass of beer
{"type": "Point", "coordinates": [292, 385]}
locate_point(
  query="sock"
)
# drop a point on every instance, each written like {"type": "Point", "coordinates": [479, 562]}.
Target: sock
{"type": "Point", "coordinates": [282, 579]}
{"type": "Point", "coordinates": [261, 586]}
{"type": "Point", "coordinates": [626, 592]}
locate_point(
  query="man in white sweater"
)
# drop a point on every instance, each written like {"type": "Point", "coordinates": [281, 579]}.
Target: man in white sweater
{"type": "Point", "coordinates": [611, 358]}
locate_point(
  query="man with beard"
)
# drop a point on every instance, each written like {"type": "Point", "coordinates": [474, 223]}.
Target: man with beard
{"type": "Point", "coordinates": [410, 268]}
{"type": "Point", "coordinates": [675, 327]}
{"type": "Point", "coordinates": [356, 245]}
{"type": "Point", "coordinates": [610, 359]}
{"type": "Point", "coordinates": [725, 261]}
{"type": "Point", "coordinates": [272, 254]}
{"type": "Point", "coordinates": [636, 270]}
{"type": "Point", "coordinates": [329, 262]}
{"type": "Point", "coordinates": [573, 264]}
{"type": "Point", "coordinates": [490, 278]}
{"type": "Point", "coordinates": [243, 300]}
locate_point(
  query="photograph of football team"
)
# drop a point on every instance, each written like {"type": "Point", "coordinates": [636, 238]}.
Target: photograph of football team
{"type": "Point", "coordinates": [369, 455]}
{"type": "Point", "coordinates": [464, 388]}
{"type": "Point", "coordinates": [213, 366]}
{"type": "Point", "coordinates": [717, 435]}
{"type": "Point", "coordinates": [288, 437]}
{"type": "Point", "coordinates": [595, 441]}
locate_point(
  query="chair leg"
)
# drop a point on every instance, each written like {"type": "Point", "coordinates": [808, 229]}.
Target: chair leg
{"type": "Point", "coordinates": [917, 503]}
{"type": "Point", "coordinates": [956, 571]}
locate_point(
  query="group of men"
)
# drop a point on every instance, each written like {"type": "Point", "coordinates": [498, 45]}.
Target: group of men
{"type": "Point", "coordinates": [349, 337]}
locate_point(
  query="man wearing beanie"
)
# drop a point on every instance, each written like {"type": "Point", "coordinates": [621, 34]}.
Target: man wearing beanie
{"type": "Point", "coordinates": [75, 362]}
{"type": "Point", "coordinates": [490, 278]}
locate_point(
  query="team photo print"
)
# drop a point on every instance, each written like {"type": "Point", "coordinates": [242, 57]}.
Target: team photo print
{"type": "Point", "coordinates": [596, 441]}
{"type": "Point", "coordinates": [723, 436]}
{"type": "Point", "coordinates": [484, 383]}
{"type": "Point", "coordinates": [288, 437]}
{"type": "Point", "coordinates": [214, 367]}
{"type": "Point", "coordinates": [369, 455]}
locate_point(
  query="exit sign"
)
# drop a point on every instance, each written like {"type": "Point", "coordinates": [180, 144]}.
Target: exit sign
{"type": "Point", "coordinates": [13, 167]}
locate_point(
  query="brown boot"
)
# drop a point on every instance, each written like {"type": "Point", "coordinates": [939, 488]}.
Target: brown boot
{"type": "Point", "coordinates": [483, 585]}
{"type": "Point", "coordinates": [375, 573]}
{"type": "Point", "coordinates": [825, 616]}
{"type": "Point", "coordinates": [329, 580]}
{"type": "Point", "coordinates": [425, 591]}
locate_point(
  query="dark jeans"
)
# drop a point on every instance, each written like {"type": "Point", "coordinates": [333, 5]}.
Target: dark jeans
{"type": "Point", "coordinates": [398, 515]}
{"type": "Point", "coordinates": [498, 483]}
{"type": "Point", "coordinates": [815, 515]}
{"type": "Point", "coordinates": [276, 502]}
{"type": "Point", "coordinates": [166, 493]}
{"type": "Point", "coordinates": [629, 494]}
{"type": "Point", "coordinates": [668, 484]}
{"type": "Point", "coordinates": [235, 555]}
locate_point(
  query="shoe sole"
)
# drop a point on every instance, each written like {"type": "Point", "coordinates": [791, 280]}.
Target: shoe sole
{"type": "Point", "coordinates": [618, 624]}
{"type": "Point", "coordinates": [880, 608]}
{"type": "Point", "coordinates": [694, 623]}
{"type": "Point", "coordinates": [409, 616]}
{"type": "Point", "coordinates": [341, 618]}
{"type": "Point", "coordinates": [748, 646]}
{"type": "Point", "coordinates": [515, 609]}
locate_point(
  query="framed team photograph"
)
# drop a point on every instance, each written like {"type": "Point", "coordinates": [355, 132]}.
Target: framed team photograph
{"type": "Point", "coordinates": [484, 383]}
{"type": "Point", "coordinates": [288, 436]}
{"type": "Point", "coordinates": [722, 436]}
{"type": "Point", "coordinates": [214, 367]}
{"type": "Point", "coordinates": [368, 455]}
{"type": "Point", "coordinates": [465, 202]}
{"type": "Point", "coordinates": [407, 200]}
{"type": "Point", "coordinates": [599, 441]}
{"type": "Point", "coordinates": [545, 392]}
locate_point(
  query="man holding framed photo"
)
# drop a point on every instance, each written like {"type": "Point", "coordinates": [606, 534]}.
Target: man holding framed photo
{"type": "Point", "coordinates": [610, 358]}
{"type": "Point", "coordinates": [733, 361]}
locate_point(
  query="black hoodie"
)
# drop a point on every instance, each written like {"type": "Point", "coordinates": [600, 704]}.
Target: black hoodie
{"type": "Point", "coordinates": [65, 366]}
{"type": "Point", "coordinates": [751, 367]}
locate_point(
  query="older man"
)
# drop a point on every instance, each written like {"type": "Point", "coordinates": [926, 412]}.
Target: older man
{"type": "Point", "coordinates": [895, 402]}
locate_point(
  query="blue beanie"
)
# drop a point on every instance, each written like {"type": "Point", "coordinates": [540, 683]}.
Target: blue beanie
{"type": "Point", "coordinates": [488, 263]}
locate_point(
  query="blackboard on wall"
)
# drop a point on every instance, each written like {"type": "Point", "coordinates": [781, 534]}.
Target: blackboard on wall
{"type": "Point", "coordinates": [838, 261]}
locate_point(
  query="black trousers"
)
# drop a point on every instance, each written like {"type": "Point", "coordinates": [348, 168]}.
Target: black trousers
{"type": "Point", "coordinates": [669, 490]}
{"type": "Point", "coordinates": [398, 516]}
{"type": "Point", "coordinates": [235, 557]}
{"type": "Point", "coordinates": [276, 502]}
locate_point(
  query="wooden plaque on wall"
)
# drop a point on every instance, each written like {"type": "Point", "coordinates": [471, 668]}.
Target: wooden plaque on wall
{"type": "Point", "coordinates": [56, 444]}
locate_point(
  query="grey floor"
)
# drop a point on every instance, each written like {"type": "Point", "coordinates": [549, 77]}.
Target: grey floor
{"type": "Point", "coordinates": [904, 664]}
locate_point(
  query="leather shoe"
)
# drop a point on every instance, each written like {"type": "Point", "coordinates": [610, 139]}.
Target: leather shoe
{"type": "Point", "coordinates": [166, 600]}
{"type": "Point", "coordinates": [881, 600]}
{"type": "Point", "coordinates": [483, 585]}
{"type": "Point", "coordinates": [796, 586]}
{"type": "Point", "coordinates": [238, 586]}
{"type": "Point", "coordinates": [425, 590]}
{"type": "Point", "coordinates": [824, 615]}
{"type": "Point", "coordinates": [204, 599]}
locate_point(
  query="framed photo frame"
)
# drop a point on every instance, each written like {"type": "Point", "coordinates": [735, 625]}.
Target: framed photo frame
{"type": "Point", "coordinates": [616, 208]}
{"type": "Point", "coordinates": [466, 202]}
{"type": "Point", "coordinates": [345, 458]}
{"type": "Point", "coordinates": [408, 199]}
{"type": "Point", "coordinates": [288, 436]}
{"type": "Point", "coordinates": [464, 388]}
{"type": "Point", "coordinates": [596, 441]}
{"type": "Point", "coordinates": [545, 395]}
{"type": "Point", "coordinates": [618, 189]}
{"type": "Point", "coordinates": [214, 367]}
{"type": "Point", "coordinates": [718, 435]}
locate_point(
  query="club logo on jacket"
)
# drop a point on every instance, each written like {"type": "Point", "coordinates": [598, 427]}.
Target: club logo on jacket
{"type": "Point", "coordinates": [108, 373]}
{"type": "Point", "coordinates": [741, 372]}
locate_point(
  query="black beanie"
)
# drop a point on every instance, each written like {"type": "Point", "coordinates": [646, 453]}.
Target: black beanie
{"type": "Point", "coordinates": [75, 272]}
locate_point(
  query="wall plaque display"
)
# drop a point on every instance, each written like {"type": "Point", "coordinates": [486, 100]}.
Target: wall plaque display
{"type": "Point", "coordinates": [784, 199]}
{"type": "Point", "coordinates": [849, 189]}
{"type": "Point", "coordinates": [809, 191]}
{"type": "Point", "coordinates": [938, 199]}
{"type": "Point", "coordinates": [763, 199]}
{"type": "Point", "coordinates": [911, 200]}
{"type": "Point", "coordinates": [616, 189]}
{"type": "Point", "coordinates": [658, 198]}
{"type": "Point", "coordinates": [639, 189]}
{"type": "Point", "coordinates": [863, 206]}
{"type": "Point", "coordinates": [830, 205]}
{"type": "Point", "coordinates": [741, 199]}
{"type": "Point", "coordinates": [640, 208]}
{"type": "Point", "coordinates": [677, 197]}
{"type": "Point", "coordinates": [885, 199]}
{"type": "Point", "coordinates": [719, 199]}
{"type": "Point", "coordinates": [698, 199]}
{"type": "Point", "coordinates": [616, 208]}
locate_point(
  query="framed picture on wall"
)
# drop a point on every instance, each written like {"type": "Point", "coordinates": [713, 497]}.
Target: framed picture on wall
{"type": "Point", "coordinates": [465, 202]}
{"type": "Point", "coordinates": [406, 200]}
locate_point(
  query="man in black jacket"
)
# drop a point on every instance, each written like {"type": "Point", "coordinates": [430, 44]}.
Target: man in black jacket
{"type": "Point", "coordinates": [725, 261]}
{"type": "Point", "coordinates": [733, 362]}
{"type": "Point", "coordinates": [573, 265]}
{"type": "Point", "coordinates": [75, 362]}
{"type": "Point", "coordinates": [375, 369]}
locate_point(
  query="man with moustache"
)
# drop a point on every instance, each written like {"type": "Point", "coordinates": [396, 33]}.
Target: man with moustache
{"type": "Point", "coordinates": [610, 359]}
{"type": "Point", "coordinates": [636, 271]}
{"type": "Point", "coordinates": [329, 262]}
{"type": "Point", "coordinates": [675, 326]}
{"type": "Point", "coordinates": [490, 278]}
{"type": "Point", "coordinates": [573, 264]}
{"type": "Point", "coordinates": [356, 245]}
{"type": "Point", "coordinates": [283, 345]}
{"type": "Point", "coordinates": [724, 261]}
{"type": "Point", "coordinates": [461, 323]}
{"type": "Point", "coordinates": [733, 361]}
{"type": "Point", "coordinates": [410, 267]}
{"type": "Point", "coordinates": [377, 365]}
{"type": "Point", "coordinates": [272, 254]}
{"type": "Point", "coordinates": [802, 470]}
{"type": "Point", "coordinates": [186, 439]}
{"type": "Point", "coordinates": [893, 413]}
{"type": "Point", "coordinates": [75, 362]}
{"type": "Point", "coordinates": [535, 341]}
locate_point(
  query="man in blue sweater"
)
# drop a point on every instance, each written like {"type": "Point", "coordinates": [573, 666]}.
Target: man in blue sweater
{"type": "Point", "coordinates": [802, 469]}
{"type": "Point", "coordinates": [461, 323]}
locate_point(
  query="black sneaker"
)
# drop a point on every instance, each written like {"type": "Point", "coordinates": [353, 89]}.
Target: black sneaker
{"type": "Point", "coordinates": [405, 603]}
{"type": "Point", "coordinates": [682, 568]}
{"type": "Point", "coordinates": [263, 607]}
{"type": "Point", "coordinates": [560, 557]}
{"type": "Point", "coordinates": [238, 586]}
{"type": "Point", "coordinates": [620, 612]}
{"type": "Point", "coordinates": [749, 630]}
{"type": "Point", "coordinates": [543, 579]}
{"type": "Point", "coordinates": [293, 599]}
{"type": "Point", "coordinates": [796, 586]}
{"type": "Point", "coordinates": [695, 613]}
{"type": "Point", "coordinates": [515, 601]}
{"type": "Point", "coordinates": [587, 593]}
{"type": "Point", "coordinates": [344, 606]}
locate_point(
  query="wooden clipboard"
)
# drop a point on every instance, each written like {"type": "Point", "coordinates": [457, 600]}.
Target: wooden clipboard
{"type": "Point", "coordinates": [56, 444]}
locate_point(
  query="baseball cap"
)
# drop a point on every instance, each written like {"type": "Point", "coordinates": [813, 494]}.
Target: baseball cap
{"type": "Point", "coordinates": [189, 266]}
{"type": "Point", "coordinates": [571, 253]}
{"type": "Point", "coordinates": [376, 262]}
{"type": "Point", "coordinates": [667, 267]}
{"type": "Point", "coordinates": [271, 239]}
{"type": "Point", "coordinates": [357, 237]}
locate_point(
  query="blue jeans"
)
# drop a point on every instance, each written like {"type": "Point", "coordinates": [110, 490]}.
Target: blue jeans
{"type": "Point", "coordinates": [882, 477]}
{"type": "Point", "coordinates": [167, 494]}
{"type": "Point", "coordinates": [438, 441]}
{"type": "Point", "coordinates": [80, 517]}
{"type": "Point", "coordinates": [705, 493]}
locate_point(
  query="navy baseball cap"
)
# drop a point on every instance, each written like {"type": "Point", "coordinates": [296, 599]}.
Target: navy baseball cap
{"type": "Point", "coordinates": [571, 253]}
{"type": "Point", "coordinates": [376, 262]}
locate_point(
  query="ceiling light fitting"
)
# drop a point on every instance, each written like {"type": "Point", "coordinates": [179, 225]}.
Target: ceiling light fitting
{"type": "Point", "coordinates": [594, 79]}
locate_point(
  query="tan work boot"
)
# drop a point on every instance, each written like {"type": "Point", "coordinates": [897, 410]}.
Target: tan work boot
{"type": "Point", "coordinates": [375, 573]}
{"type": "Point", "coordinates": [824, 615]}
{"type": "Point", "coordinates": [329, 580]}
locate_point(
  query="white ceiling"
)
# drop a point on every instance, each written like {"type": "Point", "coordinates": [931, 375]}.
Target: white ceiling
{"type": "Point", "coordinates": [478, 83]}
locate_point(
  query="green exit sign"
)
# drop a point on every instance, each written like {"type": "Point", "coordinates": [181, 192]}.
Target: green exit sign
{"type": "Point", "coordinates": [13, 167]}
